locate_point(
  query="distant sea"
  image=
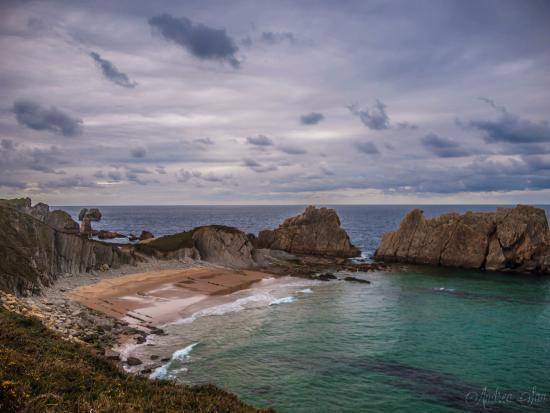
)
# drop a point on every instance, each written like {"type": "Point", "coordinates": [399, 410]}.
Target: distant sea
{"type": "Point", "coordinates": [422, 339]}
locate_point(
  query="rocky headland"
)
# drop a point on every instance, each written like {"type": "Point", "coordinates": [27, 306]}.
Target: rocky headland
{"type": "Point", "coordinates": [510, 239]}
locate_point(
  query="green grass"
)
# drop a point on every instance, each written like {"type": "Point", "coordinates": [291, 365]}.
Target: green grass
{"type": "Point", "coordinates": [40, 372]}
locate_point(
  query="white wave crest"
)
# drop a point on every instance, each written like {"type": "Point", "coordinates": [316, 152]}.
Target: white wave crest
{"type": "Point", "coordinates": [180, 356]}
{"type": "Point", "coordinates": [284, 300]}
{"type": "Point", "coordinates": [305, 291]}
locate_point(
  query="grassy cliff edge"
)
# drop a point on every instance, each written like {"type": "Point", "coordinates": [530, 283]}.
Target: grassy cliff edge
{"type": "Point", "coordinates": [40, 372]}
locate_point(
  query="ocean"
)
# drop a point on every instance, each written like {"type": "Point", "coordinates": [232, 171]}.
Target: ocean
{"type": "Point", "coordinates": [419, 339]}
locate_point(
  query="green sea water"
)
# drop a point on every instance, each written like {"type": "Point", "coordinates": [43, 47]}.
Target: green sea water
{"type": "Point", "coordinates": [420, 340]}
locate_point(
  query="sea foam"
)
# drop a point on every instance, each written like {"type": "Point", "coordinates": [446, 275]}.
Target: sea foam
{"type": "Point", "coordinates": [284, 300]}
{"type": "Point", "coordinates": [180, 356]}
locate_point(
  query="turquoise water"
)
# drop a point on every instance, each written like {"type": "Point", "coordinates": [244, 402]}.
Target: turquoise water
{"type": "Point", "coordinates": [426, 340]}
{"type": "Point", "coordinates": [423, 339]}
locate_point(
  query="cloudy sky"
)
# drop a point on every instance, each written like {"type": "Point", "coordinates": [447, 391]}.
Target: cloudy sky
{"type": "Point", "coordinates": [259, 102]}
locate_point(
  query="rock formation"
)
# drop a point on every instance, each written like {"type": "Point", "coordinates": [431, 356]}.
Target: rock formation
{"type": "Point", "coordinates": [58, 219]}
{"type": "Point", "coordinates": [317, 231]}
{"type": "Point", "coordinates": [104, 234]}
{"type": "Point", "coordinates": [94, 214]}
{"type": "Point", "coordinates": [86, 227]}
{"type": "Point", "coordinates": [146, 235]}
{"type": "Point", "coordinates": [224, 245]}
{"type": "Point", "coordinates": [34, 254]}
{"type": "Point", "coordinates": [516, 239]}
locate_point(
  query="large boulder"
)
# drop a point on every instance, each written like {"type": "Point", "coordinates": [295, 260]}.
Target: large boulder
{"type": "Point", "coordinates": [223, 245]}
{"type": "Point", "coordinates": [515, 239]}
{"type": "Point", "coordinates": [34, 254]}
{"type": "Point", "coordinates": [62, 221]}
{"type": "Point", "coordinates": [317, 231]}
{"type": "Point", "coordinates": [93, 214]}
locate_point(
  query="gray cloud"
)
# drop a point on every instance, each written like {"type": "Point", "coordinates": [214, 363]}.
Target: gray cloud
{"type": "Point", "coordinates": [258, 167]}
{"type": "Point", "coordinates": [443, 147]}
{"type": "Point", "coordinates": [292, 150]}
{"type": "Point", "coordinates": [138, 152]}
{"type": "Point", "coordinates": [367, 147]}
{"type": "Point", "coordinates": [34, 116]}
{"type": "Point", "coordinates": [277, 37]}
{"type": "Point", "coordinates": [15, 156]}
{"type": "Point", "coordinates": [375, 118]}
{"type": "Point", "coordinates": [311, 118]}
{"type": "Point", "coordinates": [111, 72]}
{"type": "Point", "coordinates": [74, 182]}
{"type": "Point", "coordinates": [259, 140]}
{"type": "Point", "coordinates": [201, 41]}
{"type": "Point", "coordinates": [184, 175]}
{"type": "Point", "coordinates": [510, 128]}
{"type": "Point", "coordinates": [204, 141]}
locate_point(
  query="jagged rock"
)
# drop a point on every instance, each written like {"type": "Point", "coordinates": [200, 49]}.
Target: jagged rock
{"type": "Point", "coordinates": [133, 237]}
{"type": "Point", "coordinates": [94, 214]}
{"type": "Point", "coordinates": [35, 254]}
{"type": "Point", "coordinates": [62, 221]}
{"type": "Point", "coordinates": [317, 231]}
{"type": "Point", "coordinates": [146, 235]}
{"type": "Point", "coordinates": [133, 361]}
{"type": "Point", "coordinates": [224, 245]}
{"type": "Point", "coordinates": [86, 227]}
{"type": "Point", "coordinates": [516, 239]}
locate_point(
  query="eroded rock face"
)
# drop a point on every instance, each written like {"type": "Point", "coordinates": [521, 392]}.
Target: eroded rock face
{"type": "Point", "coordinates": [145, 235]}
{"type": "Point", "coordinates": [317, 231]}
{"type": "Point", "coordinates": [93, 214]}
{"type": "Point", "coordinates": [58, 219]}
{"type": "Point", "coordinates": [515, 239]}
{"type": "Point", "coordinates": [34, 254]}
{"type": "Point", "coordinates": [224, 245]}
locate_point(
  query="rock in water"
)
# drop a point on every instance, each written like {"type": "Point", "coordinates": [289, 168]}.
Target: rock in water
{"type": "Point", "coordinates": [94, 214]}
{"type": "Point", "coordinates": [224, 245]}
{"type": "Point", "coordinates": [516, 239]}
{"type": "Point", "coordinates": [146, 235]}
{"type": "Point", "coordinates": [317, 231]}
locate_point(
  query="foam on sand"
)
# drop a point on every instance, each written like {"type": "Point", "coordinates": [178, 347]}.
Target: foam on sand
{"type": "Point", "coordinates": [284, 300]}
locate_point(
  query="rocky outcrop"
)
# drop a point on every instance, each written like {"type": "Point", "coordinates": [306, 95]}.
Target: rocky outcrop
{"type": "Point", "coordinates": [93, 214]}
{"type": "Point", "coordinates": [58, 219]}
{"type": "Point", "coordinates": [86, 227]}
{"type": "Point", "coordinates": [317, 231]}
{"type": "Point", "coordinates": [105, 234]}
{"type": "Point", "coordinates": [145, 235]}
{"type": "Point", "coordinates": [516, 239]}
{"type": "Point", "coordinates": [34, 254]}
{"type": "Point", "coordinates": [223, 245]}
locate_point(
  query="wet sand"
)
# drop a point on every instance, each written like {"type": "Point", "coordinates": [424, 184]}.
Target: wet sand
{"type": "Point", "coordinates": [154, 298]}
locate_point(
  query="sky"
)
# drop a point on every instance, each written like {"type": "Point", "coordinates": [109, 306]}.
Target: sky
{"type": "Point", "coordinates": [275, 102]}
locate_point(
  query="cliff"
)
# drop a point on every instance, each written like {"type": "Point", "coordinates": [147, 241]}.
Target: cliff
{"type": "Point", "coordinates": [513, 239]}
{"type": "Point", "coordinates": [34, 253]}
{"type": "Point", "coordinates": [317, 231]}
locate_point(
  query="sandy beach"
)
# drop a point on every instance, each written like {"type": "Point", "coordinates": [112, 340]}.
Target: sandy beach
{"type": "Point", "coordinates": [154, 298]}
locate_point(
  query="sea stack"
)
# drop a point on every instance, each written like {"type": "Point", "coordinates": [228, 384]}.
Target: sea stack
{"type": "Point", "coordinates": [510, 239]}
{"type": "Point", "coordinates": [317, 231]}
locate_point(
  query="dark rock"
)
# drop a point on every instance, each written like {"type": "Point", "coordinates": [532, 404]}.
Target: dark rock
{"type": "Point", "coordinates": [154, 357]}
{"type": "Point", "coordinates": [146, 235]}
{"type": "Point", "coordinates": [165, 359]}
{"type": "Point", "coordinates": [133, 361]}
{"type": "Point", "coordinates": [317, 231]}
{"type": "Point", "coordinates": [516, 239]}
{"type": "Point", "coordinates": [357, 280]}
{"type": "Point", "coordinates": [326, 277]}
{"type": "Point", "coordinates": [112, 355]}
{"type": "Point", "coordinates": [93, 214]}
{"type": "Point", "coordinates": [133, 237]}
{"type": "Point", "coordinates": [140, 339]}
{"type": "Point", "coordinates": [104, 234]}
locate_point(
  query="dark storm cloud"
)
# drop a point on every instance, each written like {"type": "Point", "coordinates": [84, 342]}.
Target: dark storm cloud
{"type": "Point", "coordinates": [275, 38]}
{"type": "Point", "coordinates": [312, 118]}
{"type": "Point", "coordinates": [201, 41]}
{"type": "Point", "coordinates": [259, 140]}
{"type": "Point", "coordinates": [34, 116]}
{"type": "Point", "coordinates": [443, 147]}
{"type": "Point", "coordinates": [111, 72]}
{"type": "Point", "coordinates": [367, 147]}
{"type": "Point", "coordinates": [292, 150]}
{"type": "Point", "coordinates": [138, 152]}
{"type": "Point", "coordinates": [510, 128]}
{"type": "Point", "coordinates": [257, 166]}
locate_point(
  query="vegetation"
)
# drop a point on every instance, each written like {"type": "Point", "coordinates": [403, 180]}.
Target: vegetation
{"type": "Point", "coordinates": [15, 202]}
{"type": "Point", "coordinates": [40, 372]}
{"type": "Point", "coordinates": [168, 243]}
